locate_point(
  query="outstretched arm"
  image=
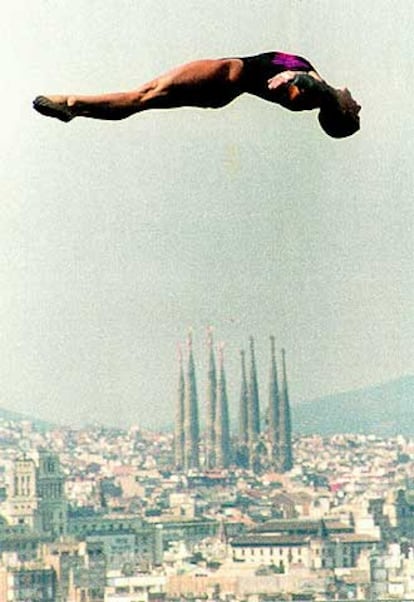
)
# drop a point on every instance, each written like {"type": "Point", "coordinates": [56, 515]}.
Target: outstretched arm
{"type": "Point", "coordinates": [298, 90]}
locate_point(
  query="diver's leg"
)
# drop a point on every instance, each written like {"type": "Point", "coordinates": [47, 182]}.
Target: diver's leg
{"type": "Point", "coordinates": [205, 83]}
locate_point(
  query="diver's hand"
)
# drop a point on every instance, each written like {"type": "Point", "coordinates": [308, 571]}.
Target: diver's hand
{"type": "Point", "coordinates": [280, 79]}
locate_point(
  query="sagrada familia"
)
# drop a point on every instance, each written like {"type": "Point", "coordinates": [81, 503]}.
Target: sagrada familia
{"type": "Point", "coordinates": [254, 448]}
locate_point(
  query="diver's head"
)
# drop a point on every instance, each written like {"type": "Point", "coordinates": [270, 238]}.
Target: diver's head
{"type": "Point", "coordinates": [339, 114]}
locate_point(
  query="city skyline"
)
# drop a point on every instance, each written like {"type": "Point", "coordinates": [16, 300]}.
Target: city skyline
{"type": "Point", "coordinates": [115, 501]}
{"type": "Point", "coordinates": [117, 237]}
{"type": "Point", "coordinates": [97, 513]}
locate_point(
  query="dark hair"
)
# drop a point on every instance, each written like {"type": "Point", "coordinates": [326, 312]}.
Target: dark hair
{"type": "Point", "coordinates": [311, 91]}
{"type": "Point", "coordinates": [306, 82]}
{"type": "Point", "coordinates": [338, 122]}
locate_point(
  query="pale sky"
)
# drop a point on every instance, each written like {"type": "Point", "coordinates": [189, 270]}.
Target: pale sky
{"type": "Point", "coordinates": [116, 238]}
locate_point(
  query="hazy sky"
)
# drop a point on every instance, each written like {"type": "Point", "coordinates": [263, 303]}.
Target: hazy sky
{"type": "Point", "coordinates": [115, 238]}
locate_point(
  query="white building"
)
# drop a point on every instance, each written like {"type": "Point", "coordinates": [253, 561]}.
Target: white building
{"type": "Point", "coordinates": [134, 588]}
{"type": "Point", "coordinates": [309, 544]}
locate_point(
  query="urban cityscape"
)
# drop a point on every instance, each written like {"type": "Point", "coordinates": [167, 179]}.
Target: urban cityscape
{"type": "Point", "coordinates": [206, 511]}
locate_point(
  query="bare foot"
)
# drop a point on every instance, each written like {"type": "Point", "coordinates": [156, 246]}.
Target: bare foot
{"type": "Point", "coordinates": [54, 106]}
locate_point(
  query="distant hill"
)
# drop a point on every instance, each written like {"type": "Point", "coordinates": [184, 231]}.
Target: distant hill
{"type": "Point", "coordinates": [385, 410]}
{"type": "Point", "coordinates": [40, 425]}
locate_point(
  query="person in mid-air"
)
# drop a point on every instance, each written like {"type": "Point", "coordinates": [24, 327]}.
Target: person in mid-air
{"type": "Point", "coordinates": [284, 79]}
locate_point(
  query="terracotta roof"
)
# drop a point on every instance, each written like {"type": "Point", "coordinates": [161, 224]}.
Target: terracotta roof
{"type": "Point", "coordinates": [269, 540]}
{"type": "Point", "coordinates": [287, 526]}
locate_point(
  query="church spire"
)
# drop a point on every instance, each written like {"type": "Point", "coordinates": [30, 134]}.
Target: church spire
{"type": "Point", "coordinates": [210, 403]}
{"type": "Point", "coordinates": [285, 428]}
{"type": "Point", "coordinates": [191, 426]}
{"type": "Point", "coordinates": [274, 404]}
{"type": "Point", "coordinates": [243, 408]}
{"type": "Point", "coordinates": [179, 415]}
{"type": "Point", "coordinates": [253, 406]}
{"type": "Point", "coordinates": [243, 439]}
{"type": "Point", "coordinates": [222, 418]}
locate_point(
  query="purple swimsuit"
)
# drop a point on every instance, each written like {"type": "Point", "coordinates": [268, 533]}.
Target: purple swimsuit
{"type": "Point", "coordinates": [289, 62]}
{"type": "Point", "coordinates": [257, 70]}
